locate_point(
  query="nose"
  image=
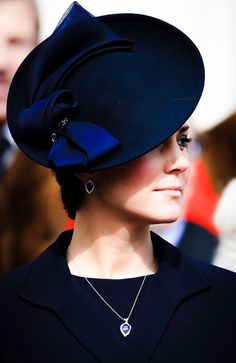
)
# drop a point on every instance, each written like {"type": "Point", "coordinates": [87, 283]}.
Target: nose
{"type": "Point", "coordinates": [177, 161]}
{"type": "Point", "coordinates": [4, 57]}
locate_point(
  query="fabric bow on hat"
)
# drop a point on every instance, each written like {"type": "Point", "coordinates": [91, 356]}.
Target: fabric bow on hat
{"type": "Point", "coordinates": [78, 145]}
{"type": "Point", "coordinates": [134, 76]}
{"type": "Point", "coordinates": [48, 102]}
{"type": "Point", "coordinates": [73, 142]}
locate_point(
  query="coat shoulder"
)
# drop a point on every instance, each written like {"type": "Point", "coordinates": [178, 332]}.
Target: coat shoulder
{"type": "Point", "coordinates": [12, 282]}
{"type": "Point", "coordinates": [217, 276]}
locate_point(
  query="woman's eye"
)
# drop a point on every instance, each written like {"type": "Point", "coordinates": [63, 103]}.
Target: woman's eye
{"type": "Point", "coordinates": [183, 141]}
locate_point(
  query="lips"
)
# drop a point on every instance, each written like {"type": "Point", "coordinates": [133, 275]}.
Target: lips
{"type": "Point", "coordinates": [171, 188]}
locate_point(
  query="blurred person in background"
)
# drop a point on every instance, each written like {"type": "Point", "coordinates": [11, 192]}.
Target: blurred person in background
{"type": "Point", "coordinates": [18, 35]}
{"type": "Point", "coordinates": [29, 199]}
{"type": "Point", "coordinates": [219, 154]}
{"type": "Point", "coordinates": [19, 26]}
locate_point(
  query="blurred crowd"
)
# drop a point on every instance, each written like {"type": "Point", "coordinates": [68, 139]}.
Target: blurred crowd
{"type": "Point", "coordinates": [31, 213]}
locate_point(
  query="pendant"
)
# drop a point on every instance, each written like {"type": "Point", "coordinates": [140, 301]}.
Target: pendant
{"type": "Point", "coordinates": [125, 328]}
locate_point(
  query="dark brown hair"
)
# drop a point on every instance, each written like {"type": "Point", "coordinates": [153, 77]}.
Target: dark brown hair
{"type": "Point", "coordinates": [72, 190]}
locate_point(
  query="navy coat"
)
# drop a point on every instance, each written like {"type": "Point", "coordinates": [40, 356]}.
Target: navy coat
{"type": "Point", "coordinates": [44, 317]}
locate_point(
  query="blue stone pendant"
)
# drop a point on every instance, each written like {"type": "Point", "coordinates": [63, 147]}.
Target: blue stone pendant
{"type": "Point", "coordinates": [89, 186]}
{"type": "Point", "coordinates": [125, 329]}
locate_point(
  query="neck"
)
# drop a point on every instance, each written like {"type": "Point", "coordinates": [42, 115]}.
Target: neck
{"type": "Point", "coordinates": [110, 250]}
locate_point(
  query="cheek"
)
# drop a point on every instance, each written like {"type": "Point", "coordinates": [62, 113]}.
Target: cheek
{"type": "Point", "coordinates": [18, 52]}
{"type": "Point", "coordinates": [187, 174]}
{"type": "Point", "coordinates": [126, 181]}
{"type": "Point", "coordinates": [142, 173]}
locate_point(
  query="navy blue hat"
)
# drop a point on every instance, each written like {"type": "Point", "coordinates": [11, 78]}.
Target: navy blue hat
{"type": "Point", "coordinates": [102, 91]}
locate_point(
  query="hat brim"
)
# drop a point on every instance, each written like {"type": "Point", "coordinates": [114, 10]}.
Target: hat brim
{"type": "Point", "coordinates": [142, 97]}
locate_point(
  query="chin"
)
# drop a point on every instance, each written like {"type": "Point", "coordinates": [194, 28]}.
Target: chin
{"type": "Point", "coordinates": [167, 216]}
{"type": "Point", "coordinates": [2, 114]}
{"type": "Point", "coordinates": [153, 214]}
{"type": "Point", "coordinates": [164, 220]}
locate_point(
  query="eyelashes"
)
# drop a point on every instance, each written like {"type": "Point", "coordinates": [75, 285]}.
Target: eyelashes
{"type": "Point", "coordinates": [183, 141]}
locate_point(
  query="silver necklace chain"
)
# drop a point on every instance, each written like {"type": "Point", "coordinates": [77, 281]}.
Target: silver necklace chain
{"type": "Point", "coordinates": [125, 328]}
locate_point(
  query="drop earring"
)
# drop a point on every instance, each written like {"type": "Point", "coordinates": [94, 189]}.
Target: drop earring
{"type": "Point", "coordinates": [89, 186]}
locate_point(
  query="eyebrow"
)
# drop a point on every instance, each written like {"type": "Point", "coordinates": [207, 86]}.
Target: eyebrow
{"type": "Point", "coordinates": [184, 128]}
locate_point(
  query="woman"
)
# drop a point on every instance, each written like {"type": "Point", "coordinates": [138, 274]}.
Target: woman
{"type": "Point", "coordinates": [104, 102]}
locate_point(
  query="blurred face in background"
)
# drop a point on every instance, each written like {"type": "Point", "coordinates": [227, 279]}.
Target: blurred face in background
{"type": "Point", "coordinates": [18, 35]}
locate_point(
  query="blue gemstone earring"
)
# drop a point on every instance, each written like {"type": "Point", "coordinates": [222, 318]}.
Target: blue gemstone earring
{"type": "Point", "coordinates": [89, 186]}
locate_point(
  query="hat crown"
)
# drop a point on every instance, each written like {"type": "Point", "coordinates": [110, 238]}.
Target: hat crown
{"type": "Point", "coordinates": [134, 76]}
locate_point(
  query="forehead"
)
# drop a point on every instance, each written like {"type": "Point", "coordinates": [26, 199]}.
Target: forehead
{"type": "Point", "coordinates": [17, 16]}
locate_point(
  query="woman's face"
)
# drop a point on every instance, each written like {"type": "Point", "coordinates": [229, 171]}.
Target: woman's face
{"type": "Point", "coordinates": [149, 189]}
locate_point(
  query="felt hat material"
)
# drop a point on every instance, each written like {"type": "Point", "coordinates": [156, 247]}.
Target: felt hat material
{"type": "Point", "coordinates": [102, 91]}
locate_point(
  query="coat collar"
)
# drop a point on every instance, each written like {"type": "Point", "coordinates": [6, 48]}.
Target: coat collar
{"type": "Point", "coordinates": [50, 285]}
